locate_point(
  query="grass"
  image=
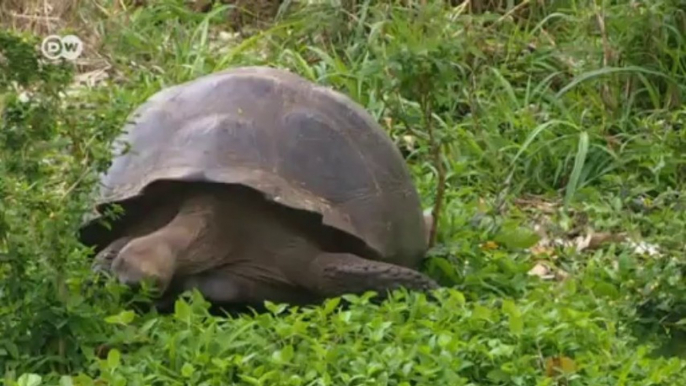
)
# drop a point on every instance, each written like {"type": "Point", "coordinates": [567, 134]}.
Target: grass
{"type": "Point", "coordinates": [548, 135]}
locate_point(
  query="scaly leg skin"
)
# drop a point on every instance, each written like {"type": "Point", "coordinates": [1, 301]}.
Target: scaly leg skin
{"type": "Point", "coordinates": [335, 274]}
{"type": "Point", "coordinates": [187, 244]}
{"type": "Point", "coordinates": [103, 260]}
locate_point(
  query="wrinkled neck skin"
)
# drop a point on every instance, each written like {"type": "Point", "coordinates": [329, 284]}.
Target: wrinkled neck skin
{"type": "Point", "coordinates": [194, 235]}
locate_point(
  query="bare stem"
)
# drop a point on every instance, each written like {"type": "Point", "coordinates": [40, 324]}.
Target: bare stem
{"type": "Point", "coordinates": [438, 164]}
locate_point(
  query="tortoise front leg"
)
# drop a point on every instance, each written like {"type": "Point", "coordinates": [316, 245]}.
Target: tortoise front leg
{"type": "Point", "coordinates": [189, 243]}
{"type": "Point", "coordinates": [335, 274]}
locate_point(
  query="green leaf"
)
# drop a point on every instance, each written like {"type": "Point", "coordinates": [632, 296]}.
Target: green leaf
{"type": "Point", "coordinates": [579, 161]}
{"type": "Point", "coordinates": [498, 376]}
{"type": "Point", "coordinates": [30, 380]}
{"type": "Point", "coordinates": [513, 236]}
{"type": "Point", "coordinates": [12, 349]}
{"type": "Point", "coordinates": [120, 381]}
{"type": "Point", "coordinates": [187, 370]}
{"type": "Point", "coordinates": [330, 305]}
{"type": "Point", "coordinates": [458, 296]}
{"type": "Point", "coordinates": [274, 308]}
{"type": "Point", "coordinates": [605, 289]}
{"type": "Point", "coordinates": [113, 358]}
{"type": "Point", "coordinates": [514, 316]}
{"type": "Point", "coordinates": [66, 380]}
{"type": "Point", "coordinates": [481, 312]}
{"type": "Point", "coordinates": [124, 318]}
{"type": "Point", "coordinates": [182, 310]}
{"type": "Point", "coordinates": [444, 340]}
{"type": "Point", "coordinates": [284, 355]}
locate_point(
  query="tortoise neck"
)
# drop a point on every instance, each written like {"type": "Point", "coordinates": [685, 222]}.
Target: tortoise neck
{"type": "Point", "coordinates": [192, 233]}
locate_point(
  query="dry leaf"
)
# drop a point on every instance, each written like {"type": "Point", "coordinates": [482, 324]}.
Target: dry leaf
{"type": "Point", "coordinates": [582, 242]}
{"type": "Point", "coordinates": [542, 249]}
{"type": "Point", "coordinates": [389, 122]}
{"type": "Point", "coordinates": [545, 271]}
{"type": "Point", "coordinates": [601, 238]}
{"type": "Point", "coordinates": [644, 248]}
{"type": "Point", "coordinates": [482, 205]}
{"type": "Point", "coordinates": [537, 204]}
{"type": "Point", "coordinates": [92, 78]}
{"type": "Point", "coordinates": [409, 140]}
{"type": "Point", "coordinates": [561, 275]}
{"type": "Point", "coordinates": [489, 245]}
{"type": "Point", "coordinates": [541, 270]}
{"type": "Point", "coordinates": [593, 241]}
{"type": "Point", "coordinates": [559, 364]}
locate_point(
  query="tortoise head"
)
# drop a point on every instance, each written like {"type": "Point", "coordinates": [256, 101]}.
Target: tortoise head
{"type": "Point", "coordinates": [148, 258]}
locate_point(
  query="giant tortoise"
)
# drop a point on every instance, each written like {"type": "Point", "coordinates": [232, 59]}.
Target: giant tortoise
{"type": "Point", "coordinates": [254, 184]}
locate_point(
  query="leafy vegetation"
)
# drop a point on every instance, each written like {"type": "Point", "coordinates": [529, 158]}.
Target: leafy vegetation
{"type": "Point", "coordinates": [549, 137]}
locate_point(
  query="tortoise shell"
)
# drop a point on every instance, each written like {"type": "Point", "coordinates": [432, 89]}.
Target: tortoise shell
{"type": "Point", "coordinates": [302, 145]}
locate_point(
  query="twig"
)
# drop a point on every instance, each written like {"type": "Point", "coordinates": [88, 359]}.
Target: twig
{"type": "Point", "coordinates": [607, 57]}
{"type": "Point", "coordinates": [512, 11]}
{"type": "Point", "coordinates": [32, 17]}
{"type": "Point", "coordinates": [438, 163]}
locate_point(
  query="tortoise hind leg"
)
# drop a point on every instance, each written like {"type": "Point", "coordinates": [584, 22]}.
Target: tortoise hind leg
{"type": "Point", "coordinates": [329, 275]}
{"type": "Point", "coordinates": [335, 274]}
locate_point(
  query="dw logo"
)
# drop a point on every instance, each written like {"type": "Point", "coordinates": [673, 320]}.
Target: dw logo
{"type": "Point", "coordinates": [68, 47]}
